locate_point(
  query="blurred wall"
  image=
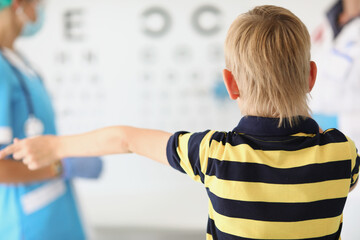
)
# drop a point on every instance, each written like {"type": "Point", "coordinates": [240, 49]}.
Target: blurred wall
{"type": "Point", "coordinates": [152, 63]}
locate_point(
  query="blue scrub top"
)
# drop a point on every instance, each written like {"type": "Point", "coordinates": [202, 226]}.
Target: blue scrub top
{"type": "Point", "coordinates": [59, 219]}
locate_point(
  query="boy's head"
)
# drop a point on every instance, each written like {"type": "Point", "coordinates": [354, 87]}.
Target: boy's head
{"type": "Point", "coordinates": [267, 53]}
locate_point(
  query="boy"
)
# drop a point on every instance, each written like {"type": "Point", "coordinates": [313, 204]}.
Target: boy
{"type": "Point", "coordinates": [276, 175]}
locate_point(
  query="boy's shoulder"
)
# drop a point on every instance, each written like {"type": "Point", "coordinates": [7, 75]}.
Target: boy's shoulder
{"type": "Point", "coordinates": [335, 135]}
{"type": "Point", "coordinates": [265, 133]}
{"type": "Point", "coordinates": [289, 142]}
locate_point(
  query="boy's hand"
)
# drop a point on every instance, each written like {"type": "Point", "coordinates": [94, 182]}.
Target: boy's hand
{"type": "Point", "coordinates": [35, 152]}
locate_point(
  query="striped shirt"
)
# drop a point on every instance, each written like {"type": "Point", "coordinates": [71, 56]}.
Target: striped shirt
{"type": "Point", "coordinates": [266, 182]}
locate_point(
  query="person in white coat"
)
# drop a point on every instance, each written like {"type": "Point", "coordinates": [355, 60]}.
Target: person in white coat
{"type": "Point", "coordinates": [336, 50]}
{"type": "Point", "coordinates": [336, 95]}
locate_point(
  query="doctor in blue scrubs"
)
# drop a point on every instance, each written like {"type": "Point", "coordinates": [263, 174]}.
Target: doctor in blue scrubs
{"type": "Point", "coordinates": [34, 205]}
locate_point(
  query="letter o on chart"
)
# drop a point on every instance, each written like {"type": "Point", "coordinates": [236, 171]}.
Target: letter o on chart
{"type": "Point", "coordinates": [156, 22]}
{"type": "Point", "coordinates": [206, 20]}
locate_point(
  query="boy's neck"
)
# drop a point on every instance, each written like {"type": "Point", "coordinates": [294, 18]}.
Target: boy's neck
{"type": "Point", "coordinates": [306, 114]}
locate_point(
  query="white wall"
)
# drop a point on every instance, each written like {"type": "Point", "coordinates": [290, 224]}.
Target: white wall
{"type": "Point", "coordinates": [117, 75]}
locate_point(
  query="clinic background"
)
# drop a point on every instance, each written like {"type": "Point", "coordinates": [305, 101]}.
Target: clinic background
{"type": "Point", "coordinates": [147, 63]}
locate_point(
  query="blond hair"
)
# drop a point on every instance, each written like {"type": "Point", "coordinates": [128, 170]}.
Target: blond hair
{"type": "Point", "coordinates": [268, 52]}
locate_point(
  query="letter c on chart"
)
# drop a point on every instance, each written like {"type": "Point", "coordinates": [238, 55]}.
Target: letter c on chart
{"type": "Point", "coordinates": [206, 20]}
{"type": "Point", "coordinates": [156, 22]}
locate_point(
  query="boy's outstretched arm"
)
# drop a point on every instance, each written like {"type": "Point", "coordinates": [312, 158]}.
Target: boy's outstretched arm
{"type": "Point", "coordinates": [41, 151]}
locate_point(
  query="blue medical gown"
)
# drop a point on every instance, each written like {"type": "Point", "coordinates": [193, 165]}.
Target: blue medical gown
{"type": "Point", "coordinates": [59, 218]}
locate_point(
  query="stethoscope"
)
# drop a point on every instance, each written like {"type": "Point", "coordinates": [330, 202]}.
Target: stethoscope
{"type": "Point", "coordinates": [33, 126]}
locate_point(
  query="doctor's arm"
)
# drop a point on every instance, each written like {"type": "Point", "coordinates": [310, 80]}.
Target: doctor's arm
{"type": "Point", "coordinates": [12, 172]}
{"type": "Point", "coordinates": [44, 150]}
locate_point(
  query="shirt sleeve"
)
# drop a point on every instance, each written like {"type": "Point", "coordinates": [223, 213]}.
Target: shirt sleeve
{"type": "Point", "coordinates": [355, 170]}
{"type": "Point", "coordinates": [6, 133]}
{"type": "Point", "coordinates": [188, 153]}
{"type": "Point", "coordinates": [355, 162]}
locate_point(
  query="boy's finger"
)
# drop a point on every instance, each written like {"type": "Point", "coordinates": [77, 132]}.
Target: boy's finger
{"type": "Point", "coordinates": [27, 160]}
{"type": "Point", "coordinates": [18, 156]}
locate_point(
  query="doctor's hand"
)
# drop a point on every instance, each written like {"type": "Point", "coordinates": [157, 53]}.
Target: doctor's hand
{"type": "Point", "coordinates": [35, 152]}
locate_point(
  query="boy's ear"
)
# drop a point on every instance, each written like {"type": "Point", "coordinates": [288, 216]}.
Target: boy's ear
{"type": "Point", "coordinates": [231, 84]}
{"type": "Point", "coordinates": [312, 76]}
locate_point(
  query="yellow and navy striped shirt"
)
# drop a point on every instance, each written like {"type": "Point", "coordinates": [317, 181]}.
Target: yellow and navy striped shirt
{"type": "Point", "coordinates": [266, 182]}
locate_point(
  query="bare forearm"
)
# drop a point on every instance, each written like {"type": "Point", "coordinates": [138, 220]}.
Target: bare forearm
{"type": "Point", "coordinates": [116, 140]}
{"type": "Point", "coordinates": [110, 140]}
{"type": "Point", "coordinates": [13, 172]}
